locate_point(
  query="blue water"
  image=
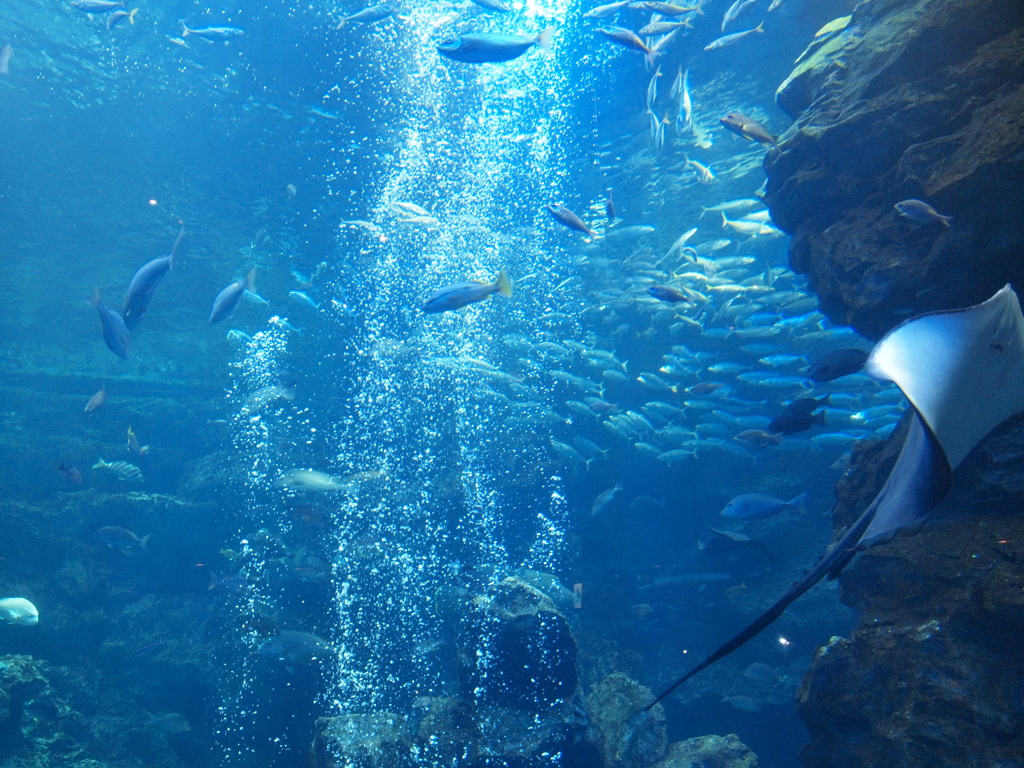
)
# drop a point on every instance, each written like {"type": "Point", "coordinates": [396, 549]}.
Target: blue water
{"type": "Point", "coordinates": [287, 148]}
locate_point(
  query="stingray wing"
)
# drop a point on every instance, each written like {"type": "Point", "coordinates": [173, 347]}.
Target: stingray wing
{"type": "Point", "coordinates": [963, 370]}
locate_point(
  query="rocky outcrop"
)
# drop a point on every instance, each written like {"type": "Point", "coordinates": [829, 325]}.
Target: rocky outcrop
{"type": "Point", "coordinates": [709, 752]}
{"type": "Point", "coordinates": [932, 676]}
{"type": "Point", "coordinates": [920, 99]}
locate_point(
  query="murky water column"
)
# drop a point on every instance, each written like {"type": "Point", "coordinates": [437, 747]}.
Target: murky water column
{"type": "Point", "coordinates": [445, 440]}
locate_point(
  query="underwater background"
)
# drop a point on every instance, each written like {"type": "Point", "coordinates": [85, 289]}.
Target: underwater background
{"type": "Point", "coordinates": [335, 529]}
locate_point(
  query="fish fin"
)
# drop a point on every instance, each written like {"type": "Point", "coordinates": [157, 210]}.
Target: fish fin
{"type": "Point", "coordinates": [544, 38]}
{"type": "Point", "coordinates": [502, 284]}
{"type": "Point", "coordinates": [759, 27]}
{"type": "Point", "coordinates": [818, 418]}
{"type": "Point", "coordinates": [185, 31]}
{"type": "Point", "coordinates": [798, 503]}
{"type": "Point", "coordinates": [945, 219]}
{"type": "Point", "coordinates": [95, 300]}
{"type": "Point", "coordinates": [131, 15]}
{"type": "Point", "coordinates": [144, 541]}
{"type": "Point", "coordinates": [213, 581]}
{"type": "Point", "coordinates": [725, 220]}
{"type": "Point", "coordinates": [250, 281]}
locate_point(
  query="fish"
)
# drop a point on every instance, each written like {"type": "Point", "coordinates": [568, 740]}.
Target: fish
{"type": "Point", "coordinates": [459, 295]}
{"type": "Point", "coordinates": [744, 703]}
{"type": "Point", "coordinates": [226, 301]}
{"type": "Point", "coordinates": [294, 648]}
{"type": "Point", "coordinates": [735, 37]}
{"type": "Point", "coordinates": [236, 335]}
{"type": "Point", "coordinates": [735, 11]}
{"type": "Point", "coordinates": [759, 506]}
{"type": "Point", "coordinates": [921, 212]}
{"type": "Point", "coordinates": [97, 6]}
{"type": "Point", "coordinates": [115, 333]}
{"type": "Point", "coordinates": [120, 469]}
{"type": "Point", "coordinates": [838, 363]}
{"type": "Point", "coordinates": [665, 9]}
{"type": "Point", "coordinates": [117, 17]}
{"type": "Point", "coordinates": [172, 722]}
{"type": "Point", "coordinates": [309, 480]}
{"type": "Point", "coordinates": [70, 473]}
{"type": "Point", "coordinates": [605, 498]}
{"type": "Point", "coordinates": [264, 396]}
{"type": "Point", "coordinates": [97, 401]}
{"type": "Point", "coordinates": [493, 5]}
{"type": "Point", "coordinates": [734, 535]}
{"type": "Point", "coordinates": [233, 583]}
{"type": "Point", "coordinates": [303, 298]}
{"type": "Point", "coordinates": [652, 91]}
{"type": "Point", "coordinates": [749, 129]}
{"type": "Point", "coordinates": [792, 422]}
{"type": "Point", "coordinates": [963, 372]}
{"type": "Point", "coordinates": [609, 208]}
{"type": "Point", "coordinates": [567, 218]}
{"type": "Point", "coordinates": [484, 47]}
{"type": "Point", "coordinates": [662, 27]}
{"type": "Point", "coordinates": [668, 293]}
{"type": "Point", "coordinates": [5, 58]}
{"type": "Point", "coordinates": [704, 174]}
{"type": "Point", "coordinates": [627, 39]}
{"type": "Point", "coordinates": [18, 610]}
{"type": "Point", "coordinates": [369, 15]}
{"type": "Point", "coordinates": [133, 443]}
{"type": "Point", "coordinates": [116, 537]}
{"type": "Point", "coordinates": [604, 11]}
{"type": "Point", "coordinates": [213, 34]}
{"type": "Point", "coordinates": [684, 121]}
{"type": "Point", "coordinates": [144, 283]}
{"type": "Point", "coordinates": [759, 437]}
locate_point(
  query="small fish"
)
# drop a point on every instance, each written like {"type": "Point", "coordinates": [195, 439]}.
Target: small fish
{"type": "Point", "coordinates": [369, 15]}
{"type": "Point", "coordinates": [604, 11]}
{"type": "Point", "coordinates": [792, 422]}
{"type": "Point", "coordinates": [758, 506]}
{"type": "Point", "coordinates": [291, 190]}
{"type": "Point", "coordinates": [735, 37]}
{"type": "Point", "coordinates": [482, 47]}
{"type": "Point", "coordinates": [133, 443]}
{"type": "Point", "coordinates": [236, 335]}
{"type": "Point", "coordinates": [97, 401]}
{"type": "Point", "coordinates": [144, 284]}
{"type": "Point", "coordinates": [665, 9]}
{"type": "Point", "coordinates": [213, 34]}
{"type": "Point", "coordinates": [838, 363]}
{"type": "Point", "coordinates": [684, 121]}
{"type": "Point", "coordinates": [293, 648]}
{"type": "Point", "coordinates": [704, 174]}
{"type": "Point", "coordinates": [733, 205]}
{"type": "Point", "coordinates": [662, 27]}
{"type": "Point", "coordinates": [308, 480]}
{"type": "Point", "coordinates": [5, 58]}
{"type": "Point", "coordinates": [627, 39]}
{"type": "Point", "coordinates": [148, 648]}
{"type": "Point", "coordinates": [282, 322]}
{"type": "Point", "coordinates": [734, 535]}
{"type": "Point", "coordinates": [460, 294]}
{"type": "Point", "coordinates": [118, 16]}
{"type": "Point", "coordinates": [120, 469]}
{"type": "Point", "coordinates": [609, 208]}
{"type": "Point", "coordinates": [115, 333]}
{"type": "Point", "coordinates": [493, 5]}
{"type": "Point", "coordinates": [303, 298]}
{"type": "Point", "coordinates": [567, 218]}
{"type": "Point", "coordinates": [70, 473]}
{"type": "Point", "coordinates": [233, 583]}
{"type": "Point", "coordinates": [668, 293]}
{"type": "Point", "coordinates": [605, 498]}
{"type": "Point", "coordinates": [264, 396]}
{"type": "Point", "coordinates": [116, 537]}
{"type": "Point", "coordinates": [758, 437]}
{"type": "Point", "coordinates": [96, 6]}
{"type": "Point", "coordinates": [921, 212]}
{"type": "Point", "coordinates": [735, 11]}
{"type": "Point", "coordinates": [749, 129]}
{"type": "Point", "coordinates": [226, 301]}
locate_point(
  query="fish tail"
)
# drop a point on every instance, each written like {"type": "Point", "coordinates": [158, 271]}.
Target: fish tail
{"type": "Point", "coordinates": [131, 15]}
{"type": "Point", "coordinates": [945, 219]}
{"type": "Point", "coordinates": [250, 281]}
{"type": "Point", "coordinates": [725, 220]}
{"type": "Point", "coordinates": [341, 24]}
{"type": "Point", "coordinates": [502, 284]}
{"type": "Point", "coordinates": [213, 581]}
{"type": "Point", "coordinates": [544, 38]}
{"type": "Point", "coordinates": [144, 540]}
{"type": "Point", "coordinates": [185, 31]}
{"type": "Point", "coordinates": [95, 300]}
{"type": "Point", "coordinates": [759, 27]}
{"type": "Point", "coordinates": [798, 503]}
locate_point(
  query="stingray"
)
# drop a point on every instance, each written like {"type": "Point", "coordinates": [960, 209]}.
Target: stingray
{"type": "Point", "coordinates": [963, 373]}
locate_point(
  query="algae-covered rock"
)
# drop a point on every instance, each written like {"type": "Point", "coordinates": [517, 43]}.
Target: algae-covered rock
{"type": "Point", "coordinates": [921, 99]}
{"type": "Point", "coordinates": [379, 740]}
{"type": "Point", "coordinates": [709, 752]}
{"type": "Point", "coordinates": [627, 737]}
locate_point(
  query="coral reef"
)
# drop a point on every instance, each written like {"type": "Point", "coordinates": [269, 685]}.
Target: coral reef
{"type": "Point", "coordinates": [921, 99]}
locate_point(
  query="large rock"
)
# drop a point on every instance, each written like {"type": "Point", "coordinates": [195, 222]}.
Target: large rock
{"type": "Point", "coordinates": [709, 752]}
{"type": "Point", "coordinates": [626, 734]}
{"type": "Point", "coordinates": [932, 676]}
{"type": "Point", "coordinates": [909, 99]}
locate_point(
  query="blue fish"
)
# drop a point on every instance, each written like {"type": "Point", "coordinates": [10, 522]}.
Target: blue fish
{"type": "Point", "coordinates": [459, 295]}
{"type": "Point", "coordinates": [218, 34]}
{"type": "Point", "coordinates": [758, 506]}
{"type": "Point", "coordinates": [226, 301]}
{"type": "Point", "coordinates": [144, 285]}
{"type": "Point", "coordinates": [481, 47]}
{"type": "Point", "coordinates": [115, 333]}
{"type": "Point", "coordinates": [97, 6]}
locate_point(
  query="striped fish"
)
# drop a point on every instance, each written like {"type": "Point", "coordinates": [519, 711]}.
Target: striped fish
{"type": "Point", "coordinates": [122, 469]}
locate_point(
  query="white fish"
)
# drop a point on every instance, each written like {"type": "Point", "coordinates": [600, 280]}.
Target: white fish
{"type": "Point", "coordinates": [309, 480]}
{"type": "Point", "coordinates": [605, 498]}
{"type": "Point", "coordinates": [735, 11]}
{"type": "Point", "coordinates": [704, 173]}
{"type": "Point", "coordinates": [18, 610]}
